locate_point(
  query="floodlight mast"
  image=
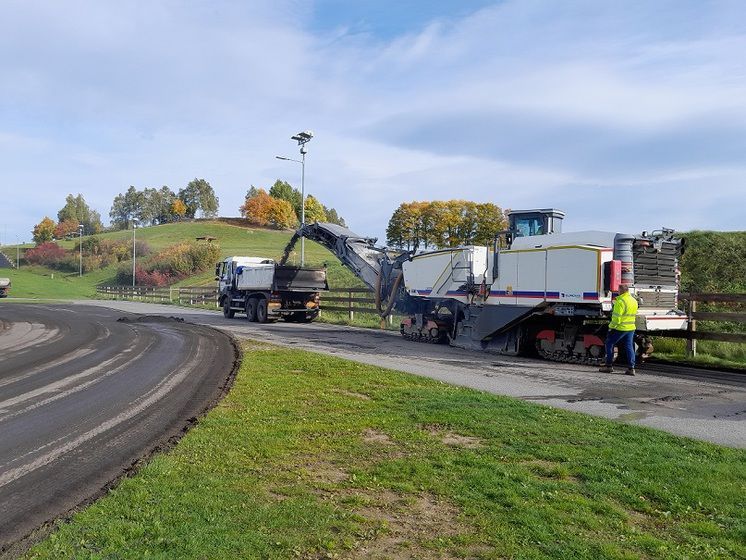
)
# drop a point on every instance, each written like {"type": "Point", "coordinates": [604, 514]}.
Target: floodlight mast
{"type": "Point", "coordinates": [302, 138]}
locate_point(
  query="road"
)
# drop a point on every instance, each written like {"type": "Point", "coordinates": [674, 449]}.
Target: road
{"type": "Point", "coordinates": [679, 401]}
{"type": "Point", "coordinates": [84, 396]}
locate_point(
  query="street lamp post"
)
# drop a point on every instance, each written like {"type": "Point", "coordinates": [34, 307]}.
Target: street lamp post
{"type": "Point", "coordinates": [134, 228]}
{"type": "Point", "coordinates": [302, 138]}
{"type": "Point", "coordinates": [80, 243]}
{"type": "Point", "coordinates": [18, 253]}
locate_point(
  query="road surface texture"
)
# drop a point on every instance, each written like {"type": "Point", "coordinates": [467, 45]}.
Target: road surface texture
{"type": "Point", "coordinates": [682, 401]}
{"type": "Point", "coordinates": [85, 396]}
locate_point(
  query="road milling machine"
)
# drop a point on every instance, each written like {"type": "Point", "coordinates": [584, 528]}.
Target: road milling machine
{"type": "Point", "coordinates": [536, 290]}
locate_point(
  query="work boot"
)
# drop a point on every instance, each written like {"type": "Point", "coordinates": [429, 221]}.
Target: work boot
{"type": "Point", "coordinates": [606, 369]}
{"type": "Point", "coordinates": [629, 371]}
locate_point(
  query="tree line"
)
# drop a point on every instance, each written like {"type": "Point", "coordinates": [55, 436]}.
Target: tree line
{"type": "Point", "coordinates": [152, 206]}
{"type": "Point", "coordinates": [441, 224]}
{"type": "Point", "coordinates": [281, 207]}
{"type": "Point", "coordinates": [148, 206]}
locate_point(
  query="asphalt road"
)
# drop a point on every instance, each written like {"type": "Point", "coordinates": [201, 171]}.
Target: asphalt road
{"type": "Point", "coordinates": [677, 400]}
{"type": "Point", "coordinates": [84, 396]}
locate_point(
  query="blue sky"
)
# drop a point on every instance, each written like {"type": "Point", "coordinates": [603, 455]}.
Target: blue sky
{"type": "Point", "coordinates": [627, 115]}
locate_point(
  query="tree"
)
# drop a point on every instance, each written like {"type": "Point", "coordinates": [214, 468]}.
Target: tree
{"type": "Point", "coordinates": [333, 217]}
{"type": "Point", "coordinates": [77, 210]}
{"type": "Point", "coordinates": [314, 210]}
{"type": "Point", "coordinates": [281, 214]}
{"type": "Point", "coordinates": [178, 209]}
{"type": "Point", "coordinates": [283, 190]}
{"type": "Point", "coordinates": [490, 220]}
{"type": "Point", "coordinates": [257, 208]}
{"type": "Point", "coordinates": [149, 208]}
{"type": "Point", "coordinates": [44, 231]}
{"type": "Point", "coordinates": [199, 195]}
{"type": "Point", "coordinates": [65, 229]}
{"type": "Point", "coordinates": [444, 224]}
{"type": "Point", "coordinates": [126, 208]}
{"type": "Point", "coordinates": [164, 202]}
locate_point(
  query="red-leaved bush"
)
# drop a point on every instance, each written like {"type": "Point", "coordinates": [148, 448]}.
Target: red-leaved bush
{"type": "Point", "coordinates": [150, 278]}
{"type": "Point", "coordinates": [46, 254]}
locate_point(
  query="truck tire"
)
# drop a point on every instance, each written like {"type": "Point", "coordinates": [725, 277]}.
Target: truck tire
{"type": "Point", "coordinates": [262, 313]}
{"type": "Point", "coordinates": [228, 313]}
{"type": "Point", "coordinates": [251, 310]}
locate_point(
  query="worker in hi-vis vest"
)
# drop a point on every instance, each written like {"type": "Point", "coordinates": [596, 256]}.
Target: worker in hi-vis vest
{"type": "Point", "coordinates": [622, 330]}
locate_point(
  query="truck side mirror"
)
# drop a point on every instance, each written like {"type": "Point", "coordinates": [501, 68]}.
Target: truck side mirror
{"type": "Point", "coordinates": [217, 270]}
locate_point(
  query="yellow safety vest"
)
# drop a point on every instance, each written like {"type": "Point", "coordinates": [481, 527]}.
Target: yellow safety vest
{"type": "Point", "coordinates": [624, 312]}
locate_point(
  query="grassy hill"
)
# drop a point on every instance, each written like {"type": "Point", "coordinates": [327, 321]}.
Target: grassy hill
{"type": "Point", "coordinates": [41, 282]}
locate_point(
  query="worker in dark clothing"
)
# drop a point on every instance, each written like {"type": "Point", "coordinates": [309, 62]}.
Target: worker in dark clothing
{"type": "Point", "coordinates": [622, 330]}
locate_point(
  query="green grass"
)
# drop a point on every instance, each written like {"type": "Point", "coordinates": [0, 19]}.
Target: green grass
{"type": "Point", "coordinates": [42, 283]}
{"type": "Point", "coordinates": [709, 352]}
{"type": "Point", "coordinates": [311, 456]}
{"type": "Point", "coordinates": [233, 240]}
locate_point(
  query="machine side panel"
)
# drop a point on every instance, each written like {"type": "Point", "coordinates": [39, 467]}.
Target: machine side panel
{"type": "Point", "coordinates": [574, 275]}
{"type": "Point", "coordinates": [531, 288]}
{"type": "Point", "coordinates": [502, 290]}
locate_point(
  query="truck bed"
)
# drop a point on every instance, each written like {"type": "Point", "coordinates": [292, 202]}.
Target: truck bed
{"type": "Point", "coordinates": [297, 279]}
{"type": "Point", "coordinates": [278, 278]}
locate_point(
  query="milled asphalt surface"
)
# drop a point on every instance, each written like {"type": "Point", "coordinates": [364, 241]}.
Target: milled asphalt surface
{"type": "Point", "coordinates": [84, 396]}
{"type": "Point", "coordinates": [678, 401]}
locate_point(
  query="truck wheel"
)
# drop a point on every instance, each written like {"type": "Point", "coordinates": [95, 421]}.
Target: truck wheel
{"type": "Point", "coordinates": [262, 314]}
{"type": "Point", "coordinates": [251, 310]}
{"type": "Point", "coordinates": [228, 313]}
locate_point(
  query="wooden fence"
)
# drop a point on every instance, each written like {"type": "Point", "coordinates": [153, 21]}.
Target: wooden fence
{"type": "Point", "coordinates": [192, 295]}
{"type": "Point", "coordinates": [692, 334]}
{"type": "Point", "coordinates": [346, 300]}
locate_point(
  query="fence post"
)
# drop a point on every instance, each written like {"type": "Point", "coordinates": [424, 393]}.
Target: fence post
{"type": "Point", "coordinates": [691, 343]}
{"type": "Point", "coordinates": [349, 303]}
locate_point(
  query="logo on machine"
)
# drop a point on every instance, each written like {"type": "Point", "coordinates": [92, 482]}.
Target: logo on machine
{"type": "Point", "coordinates": [566, 295]}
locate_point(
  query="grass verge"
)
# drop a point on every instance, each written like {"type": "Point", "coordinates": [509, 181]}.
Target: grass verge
{"type": "Point", "coordinates": [709, 353]}
{"type": "Point", "coordinates": [310, 456]}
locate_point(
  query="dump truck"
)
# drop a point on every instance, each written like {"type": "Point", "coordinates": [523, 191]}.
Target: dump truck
{"type": "Point", "coordinates": [4, 287]}
{"type": "Point", "coordinates": [264, 290]}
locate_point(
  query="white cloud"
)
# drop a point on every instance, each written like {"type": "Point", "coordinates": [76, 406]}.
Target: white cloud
{"type": "Point", "coordinates": [524, 104]}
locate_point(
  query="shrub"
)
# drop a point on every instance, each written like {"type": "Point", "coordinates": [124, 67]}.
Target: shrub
{"type": "Point", "coordinates": [171, 264]}
{"type": "Point", "coordinates": [45, 254]}
{"type": "Point", "coordinates": [150, 278]}
{"type": "Point", "coordinates": [184, 259]}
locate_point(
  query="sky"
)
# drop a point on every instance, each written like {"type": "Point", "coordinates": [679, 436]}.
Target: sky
{"type": "Point", "coordinates": [628, 116]}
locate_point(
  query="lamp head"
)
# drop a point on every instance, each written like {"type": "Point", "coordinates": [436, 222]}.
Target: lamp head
{"type": "Point", "coordinates": [302, 137]}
